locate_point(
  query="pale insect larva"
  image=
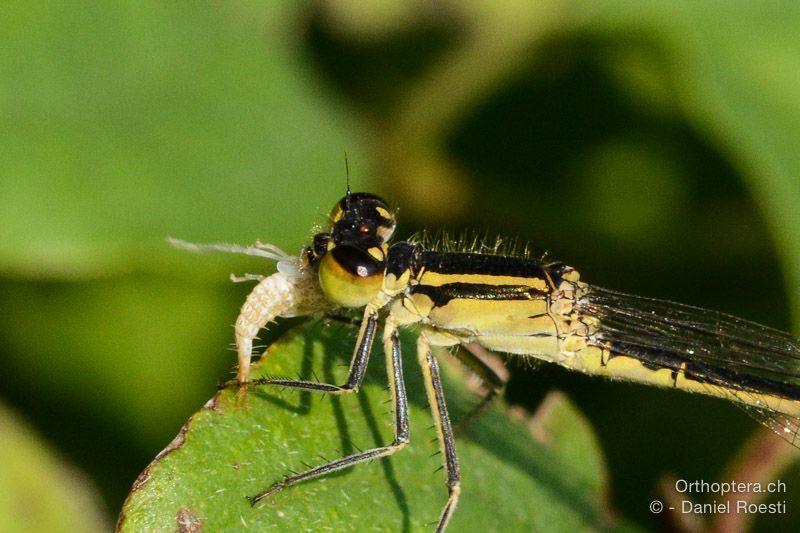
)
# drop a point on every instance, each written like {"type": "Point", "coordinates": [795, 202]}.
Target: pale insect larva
{"type": "Point", "coordinates": [291, 291]}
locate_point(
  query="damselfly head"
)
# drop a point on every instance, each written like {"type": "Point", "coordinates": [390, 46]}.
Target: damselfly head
{"type": "Point", "coordinates": [361, 219]}
{"type": "Point", "coordinates": [352, 257]}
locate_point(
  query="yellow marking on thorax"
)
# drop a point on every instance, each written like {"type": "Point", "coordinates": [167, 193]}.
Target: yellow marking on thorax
{"type": "Point", "coordinates": [435, 279]}
{"type": "Point", "coordinates": [487, 317]}
{"type": "Point", "coordinates": [541, 347]}
{"type": "Point", "coordinates": [419, 304]}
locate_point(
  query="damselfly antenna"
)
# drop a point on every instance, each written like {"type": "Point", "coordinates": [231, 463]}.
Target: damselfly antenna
{"type": "Point", "coordinates": [347, 177]}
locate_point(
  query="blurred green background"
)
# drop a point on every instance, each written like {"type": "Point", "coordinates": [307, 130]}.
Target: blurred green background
{"type": "Point", "coordinates": [653, 146]}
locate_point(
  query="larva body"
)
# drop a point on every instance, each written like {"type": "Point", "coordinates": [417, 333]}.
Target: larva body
{"type": "Point", "coordinates": [292, 291]}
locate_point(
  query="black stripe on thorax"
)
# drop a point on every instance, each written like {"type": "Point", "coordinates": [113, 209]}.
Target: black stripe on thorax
{"type": "Point", "coordinates": [489, 265]}
{"type": "Point", "coordinates": [443, 294]}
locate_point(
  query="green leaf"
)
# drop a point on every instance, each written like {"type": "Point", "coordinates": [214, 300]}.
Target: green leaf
{"type": "Point", "coordinates": [38, 490]}
{"type": "Point", "coordinates": [233, 448]}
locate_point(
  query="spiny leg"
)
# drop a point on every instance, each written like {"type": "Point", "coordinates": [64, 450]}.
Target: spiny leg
{"type": "Point", "coordinates": [394, 369]}
{"type": "Point", "coordinates": [358, 363]}
{"type": "Point", "coordinates": [441, 420]}
{"type": "Point", "coordinates": [488, 376]}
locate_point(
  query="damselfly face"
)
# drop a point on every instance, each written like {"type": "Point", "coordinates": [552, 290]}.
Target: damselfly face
{"type": "Point", "coordinates": [362, 220]}
{"type": "Point", "coordinates": [351, 258]}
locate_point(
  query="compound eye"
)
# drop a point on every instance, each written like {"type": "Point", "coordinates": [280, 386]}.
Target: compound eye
{"type": "Point", "coordinates": [350, 277]}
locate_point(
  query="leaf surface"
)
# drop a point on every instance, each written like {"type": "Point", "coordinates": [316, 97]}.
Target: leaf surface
{"type": "Point", "coordinates": [233, 448]}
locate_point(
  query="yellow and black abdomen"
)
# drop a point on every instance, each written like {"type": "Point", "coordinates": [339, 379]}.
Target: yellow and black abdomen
{"type": "Point", "coordinates": [683, 347]}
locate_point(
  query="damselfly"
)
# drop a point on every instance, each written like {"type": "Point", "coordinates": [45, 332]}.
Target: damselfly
{"type": "Point", "coordinates": [517, 305]}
